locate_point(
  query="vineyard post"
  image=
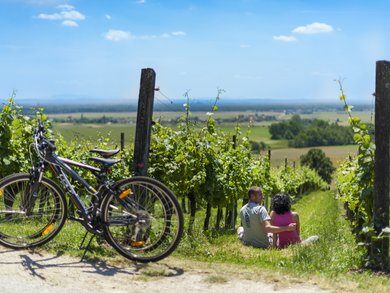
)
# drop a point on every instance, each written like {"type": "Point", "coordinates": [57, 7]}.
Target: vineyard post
{"type": "Point", "coordinates": [144, 122]}
{"type": "Point", "coordinates": [380, 246]}
{"type": "Point", "coordinates": [267, 197]}
{"type": "Point", "coordinates": [122, 141]}
{"type": "Point", "coordinates": [234, 209]}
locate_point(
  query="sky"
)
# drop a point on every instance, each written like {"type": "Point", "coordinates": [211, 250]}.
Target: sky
{"type": "Point", "coordinates": [251, 49]}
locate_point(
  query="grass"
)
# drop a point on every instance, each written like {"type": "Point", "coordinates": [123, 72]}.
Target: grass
{"type": "Point", "coordinates": [336, 154]}
{"type": "Point", "coordinates": [94, 131]}
{"type": "Point", "coordinates": [330, 262]}
{"type": "Point", "coordinates": [341, 116]}
{"type": "Point", "coordinates": [331, 259]}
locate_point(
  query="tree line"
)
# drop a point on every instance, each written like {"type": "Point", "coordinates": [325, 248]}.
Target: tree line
{"type": "Point", "coordinates": [311, 132]}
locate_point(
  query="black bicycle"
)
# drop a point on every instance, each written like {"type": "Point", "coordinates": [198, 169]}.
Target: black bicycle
{"type": "Point", "coordinates": [138, 216]}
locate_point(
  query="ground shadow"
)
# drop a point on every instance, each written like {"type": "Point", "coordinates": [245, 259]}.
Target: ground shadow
{"type": "Point", "coordinates": [36, 263]}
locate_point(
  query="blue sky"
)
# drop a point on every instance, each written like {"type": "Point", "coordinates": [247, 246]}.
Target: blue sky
{"type": "Point", "coordinates": [264, 49]}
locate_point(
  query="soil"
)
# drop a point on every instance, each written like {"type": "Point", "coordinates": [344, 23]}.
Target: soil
{"type": "Point", "coordinates": [28, 271]}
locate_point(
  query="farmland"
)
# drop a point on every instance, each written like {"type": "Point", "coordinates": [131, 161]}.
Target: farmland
{"type": "Point", "coordinates": [256, 131]}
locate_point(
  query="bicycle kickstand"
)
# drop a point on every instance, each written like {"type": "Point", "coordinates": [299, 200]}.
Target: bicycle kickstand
{"type": "Point", "coordinates": [87, 246]}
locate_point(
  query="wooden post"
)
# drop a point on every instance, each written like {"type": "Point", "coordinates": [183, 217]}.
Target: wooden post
{"type": "Point", "coordinates": [268, 196]}
{"type": "Point", "coordinates": [144, 122]}
{"type": "Point", "coordinates": [234, 208]}
{"type": "Point", "coordinates": [122, 141]}
{"type": "Point", "coordinates": [380, 247]}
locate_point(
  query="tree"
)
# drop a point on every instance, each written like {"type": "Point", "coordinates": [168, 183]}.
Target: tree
{"type": "Point", "coordinates": [317, 160]}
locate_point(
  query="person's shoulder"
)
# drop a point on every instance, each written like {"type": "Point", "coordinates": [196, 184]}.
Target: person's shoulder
{"type": "Point", "coordinates": [261, 209]}
{"type": "Point", "coordinates": [244, 207]}
{"type": "Point", "coordinates": [295, 215]}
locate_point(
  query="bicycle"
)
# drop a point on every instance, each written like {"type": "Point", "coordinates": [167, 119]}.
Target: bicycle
{"type": "Point", "coordinates": [138, 216]}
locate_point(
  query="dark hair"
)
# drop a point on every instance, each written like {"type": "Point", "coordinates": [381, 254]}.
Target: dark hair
{"type": "Point", "coordinates": [281, 203]}
{"type": "Point", "coordinates": [253, 190]}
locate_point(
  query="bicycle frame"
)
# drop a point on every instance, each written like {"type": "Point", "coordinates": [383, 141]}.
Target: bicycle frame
{"type": "Point", "coordinates": [60, 167]}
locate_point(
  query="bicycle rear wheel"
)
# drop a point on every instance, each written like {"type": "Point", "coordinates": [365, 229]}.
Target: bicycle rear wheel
{"type": "Point", "coordinates": [28, 220]}
{"type": "Point", "coordinates": [143, 221]}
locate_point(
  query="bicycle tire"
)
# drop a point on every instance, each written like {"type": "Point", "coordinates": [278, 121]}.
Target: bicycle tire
{"type": "Point", "coordinates": [146, 224]}
{"type": "Point", "coordinates": [25, 226]}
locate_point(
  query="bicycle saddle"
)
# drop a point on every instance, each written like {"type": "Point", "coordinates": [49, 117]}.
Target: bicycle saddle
{"type": "Point", "coordinates": [106, 163]}
{"type": "Point", "coordinates": [105, 153]}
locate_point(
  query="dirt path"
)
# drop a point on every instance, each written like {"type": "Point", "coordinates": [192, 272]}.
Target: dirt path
{"type": "Point", "coordinates": [24, 271]}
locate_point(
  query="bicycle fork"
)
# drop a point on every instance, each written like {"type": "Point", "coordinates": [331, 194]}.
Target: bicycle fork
{"type": "Point", "coordinates": [31, 192]}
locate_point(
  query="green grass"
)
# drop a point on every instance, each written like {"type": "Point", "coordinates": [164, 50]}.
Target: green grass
{"type": "Point", "coordinates": [331, 260]}
{"type": "Point", "coordinates": [341, 116]}
{"type": "Point", "coordinates": [320, 215]}
{"type": "Point", "coordinates": [337, 154]}
{"type": "Point", "coordinates": [93, 132]}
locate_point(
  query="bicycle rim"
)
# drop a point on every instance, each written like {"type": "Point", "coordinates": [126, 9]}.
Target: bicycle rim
{"type": "Point", "coordinates": [26, 222]}
{"type": "Point", "coordinates": [143, 221]}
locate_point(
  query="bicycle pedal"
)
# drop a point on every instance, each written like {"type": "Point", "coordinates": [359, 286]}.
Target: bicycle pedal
{"type": "Point", "coordinates": [137, 243]}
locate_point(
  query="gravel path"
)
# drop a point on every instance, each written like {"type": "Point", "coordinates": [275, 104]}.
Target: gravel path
{"type": "Point", "coordinates": [25, 271]}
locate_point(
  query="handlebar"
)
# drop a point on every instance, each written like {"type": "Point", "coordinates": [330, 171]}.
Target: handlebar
{"type": "Point", "coordinates": [41, 142]}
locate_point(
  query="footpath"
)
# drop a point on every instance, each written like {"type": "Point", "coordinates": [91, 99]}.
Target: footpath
{"type": "Point", "coordinates": [26, 271]}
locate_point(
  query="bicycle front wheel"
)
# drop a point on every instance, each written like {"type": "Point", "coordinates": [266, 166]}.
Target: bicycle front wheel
{"type": "Point", "coordinates": [29, 218]}
{"type": "Point", "coordinates": [143, 220]}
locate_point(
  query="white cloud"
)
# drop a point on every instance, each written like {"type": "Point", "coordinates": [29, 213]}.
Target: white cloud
{"type": "Point", "coordinates": [107, 16]}
{"type": "Point", "coordinates": [178, 34]}
{"type": "Point", "coordinates": [164, 35]}
{"type": "Point", "coordinates": [70, 23]}
{"type": "Point", "coordinates": [244, 46]}
{"type": "Point", "coordinates": [72, 14]}
{"type": "Point", "coordinates": [117, 35]}
{"type": "Point", "coordinates": [314, 28]}
{"type": "Point", "coordinates": [141, 2]}
{"type": "Point", "coordinates": [285, 38]}
{"type": "Point", "coordinates": [54, 16]}
{"type": "Point", "coordinates": [65, 7]}
{"type": "Point", "coordinates": [67, 14]}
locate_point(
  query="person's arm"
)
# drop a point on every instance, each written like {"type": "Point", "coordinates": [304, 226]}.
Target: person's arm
{"type": "Point", "coordinates": [296, 220]}
{"type": "Point", "coordinates": [274, 235]}
{"type": "Point", "coordinates": [277, 229]}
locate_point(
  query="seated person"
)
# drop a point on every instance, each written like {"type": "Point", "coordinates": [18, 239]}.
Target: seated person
{"type": "Point", "coordinates": [281, 215]}
{"type": "Point", "coordinates": [256, 229]}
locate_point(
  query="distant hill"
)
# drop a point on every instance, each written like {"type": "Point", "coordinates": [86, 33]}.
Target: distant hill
{"type": "Point", "coordinates": [89, 104]}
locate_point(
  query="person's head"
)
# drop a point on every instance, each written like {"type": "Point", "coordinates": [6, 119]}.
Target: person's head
{"type": "Point", "coordinates": [281, 203]}
{"type": "Point", "coordinates": [255, 194]}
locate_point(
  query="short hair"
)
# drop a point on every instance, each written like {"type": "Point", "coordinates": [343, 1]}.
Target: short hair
{"type": "Point", "coordinates": [253, 190]}
{"type": "Point", "coordinates": [281, 203]}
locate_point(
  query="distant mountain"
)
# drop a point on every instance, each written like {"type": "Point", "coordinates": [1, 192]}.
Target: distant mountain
{"type": "Point", "coordinates": [68, 104]}
{"type": "Point", "coordinates": [71, 100]}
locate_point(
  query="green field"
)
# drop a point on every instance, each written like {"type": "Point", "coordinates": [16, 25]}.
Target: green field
{"type": "Point", "coordinates": [342, 117]}
{"type": "Point", "coordinates": [336, 154]}
{"type": "Point", "coordinates": [93, 132]}
{"type": "Point", "coordinates": [328, 116]}
{"type": "Point", "coordinates": [257, 132]}
{"type": "Point", "coordinates": [279, 148]}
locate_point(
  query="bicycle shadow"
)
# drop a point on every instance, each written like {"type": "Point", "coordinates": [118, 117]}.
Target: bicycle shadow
{"type": "Point", "coordinates": [37, 264]}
